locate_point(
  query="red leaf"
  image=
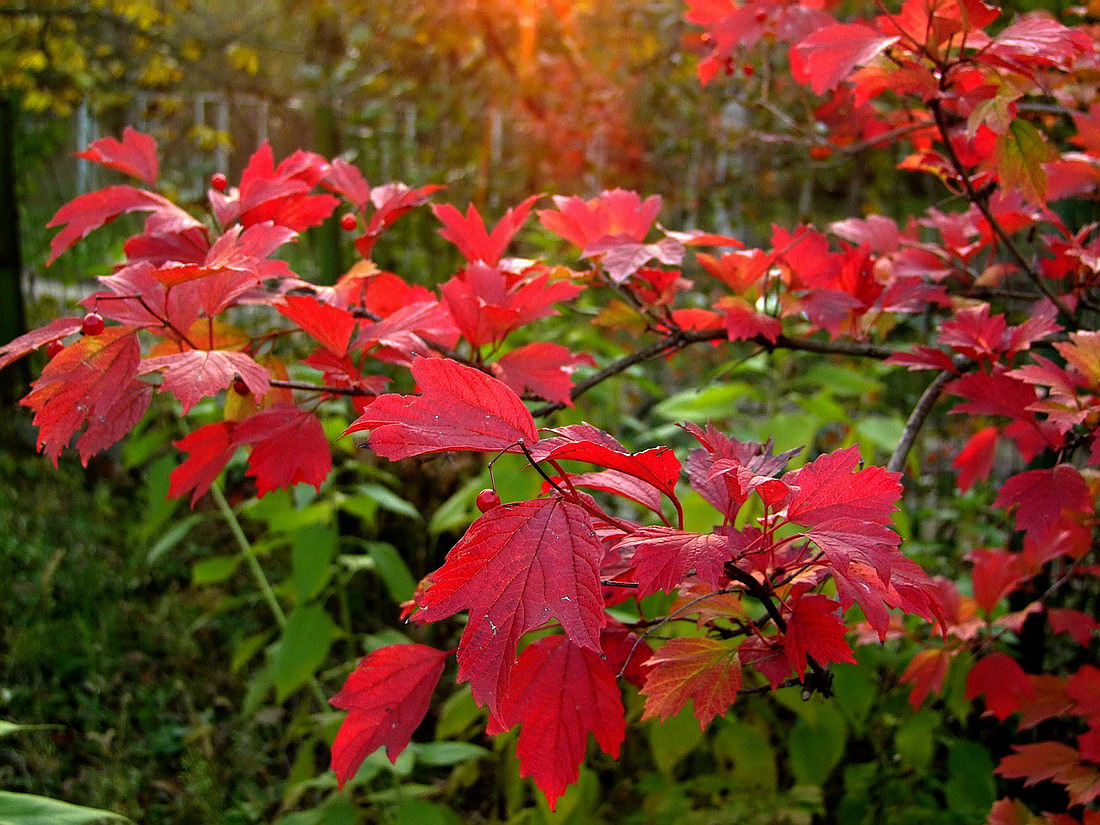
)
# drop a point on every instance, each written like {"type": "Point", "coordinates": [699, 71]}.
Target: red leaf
{"type": "Point", "coordinates": [996, 574]}
{"type": "Point", "coordinates": [331, 326]}
{"type": "Point", "coordinates": [621, 258]}
{"type": "Point", "coordinates": [703, 670]}
{"type": "Point", "coordinates": [460, 408]}
{"type": "Point", "coordinates": [975, 460]}
{"type": "Point", "coordinates": [620, 484]}
{"type": "Point", "coordinates": [992, 394]}
{"type": "Point", "coordinates": [391, 201]}
{"type": "Point", "coordinates": [832, 487]}
{"type": "Point", "coordinates": [197, 374]}
{"type": "Point", "coordinates": [288, 446]}
{"type": "Point", "coordinates": [1044, 498]}
{"type": "Point", "coordinates": [136, 155]}
{"type": "Point", "coordinates": [542, 368]}
{"type": "Point", "coordinates": [664, 557]}
{"type": "Point", "coordinates": [1039, 761]}
{"type": "Point", "coordinates": [561, 693]}
{"type": "Point", "coordinates": [1080, 626]}
{"type": "Point", "coordinates": [90, 382]}
{"type": "Point", "coordinates": [518, 567]}
{"type": "Point", "coordinates": [1003, 683]}
{"type": "Point", "coordinates": [209, 449]}
{"type": "Point", "coordinates": [470, 236]}
{"type": "Point", "coordinates": [743, 323]}
{"type": "Point", "coordinates": [583, 442]}
{"type": "Point", "coordinates": [386, 697]}
{"type": "Point", "coordinates": [814, 629]}
{"type": "Point", "coordinates": [830, 54]}
{"type": "Point", "coordinates": [86, 213]}
{"type": "Point", "coordinates": [56, 329]}
{"type": "Point", "coordinates": [348, 181]}
{"type": "Point", "coordinates": [927, 671]}
{"type": "Point", "coordinates": [618, 212]}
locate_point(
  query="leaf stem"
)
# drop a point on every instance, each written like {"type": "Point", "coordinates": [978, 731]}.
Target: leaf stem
{"type": "Point", "coordinates": [248, 553]}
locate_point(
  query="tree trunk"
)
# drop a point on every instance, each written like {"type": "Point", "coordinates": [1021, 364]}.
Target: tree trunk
{"type": "Point", "coordinates": [15, 379]}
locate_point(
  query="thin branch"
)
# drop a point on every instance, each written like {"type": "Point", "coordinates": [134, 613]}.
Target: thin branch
{"type": "Point", "coordinates": [676, 341]}
{"type": "Point", "coordinates": [916, 420]}
{"type": "Point", "coordinates": [307, 387]}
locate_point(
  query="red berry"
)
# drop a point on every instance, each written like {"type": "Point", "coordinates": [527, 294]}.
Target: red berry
{"type": "Point", "coordinates": [748, 69]}
{"type": "Point", "coordinates": [54, 348]}
{"type": "Point", "coordinates": [219, 181]}
{"type": "Point", "coordinates": [239, 386]}
{"type": "Point", "coordinates": [93, 324]}
{"type": "Point", "coordinates": [820, 152]}
{"type": "Point", "coordinates": [487, 500]}
{"type": "Point", "coordinates": [349, 222]}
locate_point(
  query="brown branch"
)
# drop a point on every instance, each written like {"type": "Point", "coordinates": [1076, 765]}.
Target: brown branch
{"type": "Point", "coordinates": [916, 420]}
{"type": "Point", "coordinates": [681, 339]}
{"type": "Point", "coordinates": [307, 387]}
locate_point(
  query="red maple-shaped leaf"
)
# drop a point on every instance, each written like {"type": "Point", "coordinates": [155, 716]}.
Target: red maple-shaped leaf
{"type": "Point", "coordinates": [330, 325]}
{"type": "Point", "coordinates": [1079, 626]}
{"type": "Point", "coordinates": [89, 382]}
{"type": "Point", "coordinates": [975, 460]}
{"type": "Point", "coordinates": [996, 574]}
{"type": "Point", "coordinates": [832, 487]}
{"type": "Point", "coordinates": [24, 344]}
{"type": "Point", "coordinates": [518, 567]}
{"type": "Point", "coordinates": [86, 213]}
{"type": "Point", "coordinates": [621, 257]}
{"type": "Point", "coordinates": [814, 629]}
{"type": "Point", "coordinates": [543, 368]}
{"type": "Point", "coordinates": [704, 670]}
{"type": "Point", "coordinates": [743, 323]}
{"type": "Point", "coordinates": [1002, 681]}
{"type": "Point", "coordinates": [390, 202]}
{"type": "Point", "coordinates": [926, 672]}
{"type": "Point", "coordinates": [560, 693]}
{"type": "Point", "coordinates": [288, 447]}
{"type": "Point", "coordinates": [386, 697]}
{"type": "Point", "coordinates": [209, 449]}
{"type": "Point", "coordinates": [664, 557]}
{"type": "Point", "coordinates": [135, 155]}
{"type": "Point", "coordinates": [1044, 498]}
{"type": "Point", "coordinates": [617, 212]}
{"type": "Point", "coordinates": [197, 374]}
{"type": "Point", "coordinates": [348, 181]}
{"type": "Point", "coordinates": [470, 235]}
{"type": "Point", "coordinates": [830, 54]}
{"type": "Point", "coordinates": [1039, 761]}
{"type": "Point", "coordinates": [459, 408]}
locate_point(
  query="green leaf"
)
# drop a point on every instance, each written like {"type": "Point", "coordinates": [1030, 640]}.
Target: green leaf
{"type": "Point", "coordinates": [458, 713]}
{"type": "Point", "coordinates": [699, 406]}
{"type": "Point", "coordinates": [215, 570]}
{"type": "Point", "coordinates": [171, 537]}
{"type": "Point", "coordinates": [1019, 155]}
{"type": "Point", "coordinates": [423, 812]}
{"type": "Point", "coordinates": [458, 510]}
{"type": "Point", "coordinates": [672, 740]}
{"type": "Point", "coordinates": [302, 650]}
{"type": "Point", "coordinates": [914, 739]}
{"type": "Point", "coordinates": [444, 754]}
{"type": "Point", "coordinates": [28, 809]}
{"type": "Point", "coordinates": [311, 555]}
{"type": "Point", "coordinates": [751, 754]}
{"type": "Point", "coordinates": [392, 570]}
{"type": "Point", "coordinates": [970, 788]}
{"type": "Point", "coordinates": [816, 747]}
{"type": "Point", "coordinates": [388, 500]}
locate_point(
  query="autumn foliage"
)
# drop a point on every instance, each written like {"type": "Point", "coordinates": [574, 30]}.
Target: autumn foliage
{"type": "Point", "coordinates": [798, 561]}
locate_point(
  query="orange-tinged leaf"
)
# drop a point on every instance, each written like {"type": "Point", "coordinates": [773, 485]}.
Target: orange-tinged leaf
{"type": "Point", "coordinates": [1019, 156]}
{"type": "Point", "coordinates": [331, 326]}
{"type": "Point", "coordinates": [705, 671]}
{"type": "Point", "coordinates": [1039, 761]}
{"type": "Point", "coordinates": [386, 697]}
{"type": "Point", "coordinates": [560, 693]}
{"type": "Point", "coordinates": [56, 329]}
{"type": "Point", "coordinates": [518, 567]}
{"type": "Point", "coordinates": [926, 671]}
{"type": "Point", "coordinates": [90, 382]}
